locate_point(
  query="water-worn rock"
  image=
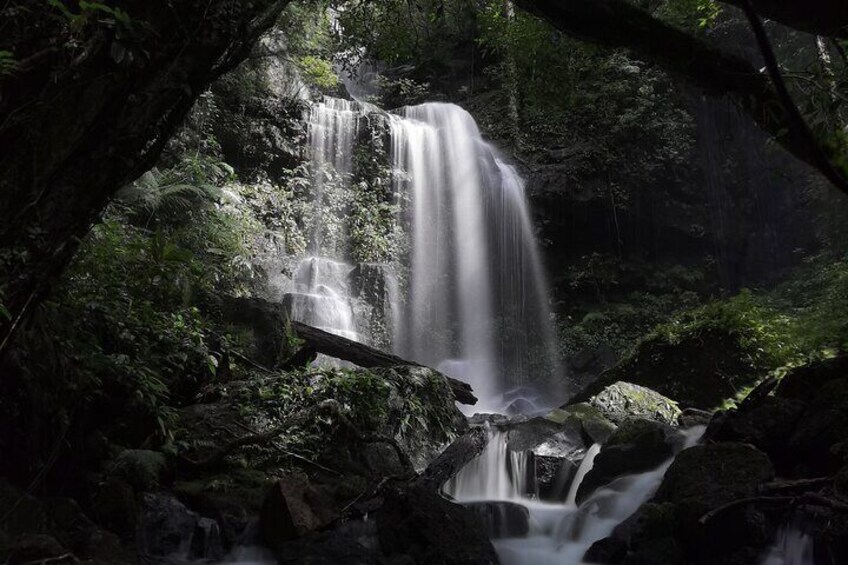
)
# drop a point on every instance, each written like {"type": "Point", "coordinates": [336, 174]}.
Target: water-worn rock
{"type": "Point", "coordinates": [636, 446]}
{"type": "Point", "coordinates": [690, 417]}
{"type": "Point", "coordinates": [622, 400]}
{"type": "Point", "coordinates": [502, 519]}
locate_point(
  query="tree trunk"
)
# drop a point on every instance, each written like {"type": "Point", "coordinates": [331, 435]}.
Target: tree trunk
{"type": "Point", "coordinates": [90, 108]}
{"type": "Point", "coordinates": [367, 356]}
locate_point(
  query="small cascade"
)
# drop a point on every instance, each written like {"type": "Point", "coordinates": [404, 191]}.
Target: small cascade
{"type": "Point", "coordinates": [321, 296]}
{"type": "Point", "coordinates": [585, 466]}
{"type": "Point", "coordinates": [496, 474]}
{"type": "Point", "coordinates": [558, 534]}
{"type": "Point", "coordinates": [792, 547]}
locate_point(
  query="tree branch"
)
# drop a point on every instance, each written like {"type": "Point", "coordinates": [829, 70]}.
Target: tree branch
{"type": "Point", "coordinates": [617, 23]}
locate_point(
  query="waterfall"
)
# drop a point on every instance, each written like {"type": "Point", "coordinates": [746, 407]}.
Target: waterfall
{"type": "Point", "coordinates": [477, 297]}
{"type": "Point", "coordinates": [468, 293]}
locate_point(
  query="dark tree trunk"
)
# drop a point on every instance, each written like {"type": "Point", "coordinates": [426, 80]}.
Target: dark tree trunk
{"type": "Point", "coordinates": [88, 109]}
{"type": "Point", "coordinates": [367, 356]}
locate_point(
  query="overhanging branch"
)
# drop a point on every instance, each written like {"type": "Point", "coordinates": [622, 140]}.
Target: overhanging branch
{"type": "Point", "coordinates": [617, 23]}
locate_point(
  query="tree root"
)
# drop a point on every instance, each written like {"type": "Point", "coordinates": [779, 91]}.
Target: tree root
{"type": "Point", "coordinates": [812, 499]}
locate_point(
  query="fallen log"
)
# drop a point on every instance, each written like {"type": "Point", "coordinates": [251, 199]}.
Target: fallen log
{"type": "Point", "coordinates": [367, 356]}
{"type": "Point", "coordinates": [453, 459]}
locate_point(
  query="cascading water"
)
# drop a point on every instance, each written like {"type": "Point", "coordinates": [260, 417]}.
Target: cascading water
{"type": "Point", "coordinates": [792, 547]}
{"type": "Point", "coordinates": [475, 301]}
{"type": "Point", "coordinates": [559, 534]}
{"type": "Point", "coordinates": [477, 296]}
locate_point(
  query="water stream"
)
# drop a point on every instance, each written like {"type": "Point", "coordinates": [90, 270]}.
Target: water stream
{"type": "Point", "coordinates": [559, 533]}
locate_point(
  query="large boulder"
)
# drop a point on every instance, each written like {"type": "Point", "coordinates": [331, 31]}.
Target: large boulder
{"type": "Point", "coordinates": [622, 400]}
{"type": "Point", "coordinates": [700, 368]}
{"type": "Point", "coordinates": [417, 526]}
{"type": "Point", "coordinates": [636, 446]}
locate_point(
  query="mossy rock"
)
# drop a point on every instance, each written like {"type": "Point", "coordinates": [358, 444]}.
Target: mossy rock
{"type": "Point", "coordinates": [620, 401]}
{"type": "Point", "coordinates": [596, 427]}
{"type": "Point", "coordinates": [699, 369]}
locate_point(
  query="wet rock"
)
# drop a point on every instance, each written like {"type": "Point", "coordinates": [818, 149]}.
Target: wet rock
{"type": "Point", "coordinates": [636, 446]}
{"type": "Point", "coordinates": [622, 400]}
{"type": "Point", "coordinates": [206, 540]}
{"type": "Point", "coordinates": [165, 526]}
{"type": "Point", "coordinates": [502, 519]}
{"type": "Point", "coordinates": [417, 526]}
{"type": "Point", "coordinates": [607, 551]}
{"type": "Point", "coordinates": [294, 508]}
{"type": "Point", "coordinates": [553, 475]}
{"type": "Point", "coordinates": [233, 499]}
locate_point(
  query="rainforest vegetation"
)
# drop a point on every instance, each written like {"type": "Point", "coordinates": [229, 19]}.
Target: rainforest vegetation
{"type": "Point", "coordinates": [185, 185]}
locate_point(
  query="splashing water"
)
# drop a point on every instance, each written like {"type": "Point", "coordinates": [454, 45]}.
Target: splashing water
{"type": "Point", "coordinates": [559, 534]}
{"type": "Point", "coordinates": [792, 547]}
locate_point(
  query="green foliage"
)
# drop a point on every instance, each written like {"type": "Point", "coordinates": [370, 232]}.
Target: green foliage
{"type": "Point", "coordinates": [8, 65]}
{"type": "Point", "coordinates": [691, 15]}
{"type": "Point", "coordinates": [318, 72]}
{"type": "Point", "coordinates": [764, 333]}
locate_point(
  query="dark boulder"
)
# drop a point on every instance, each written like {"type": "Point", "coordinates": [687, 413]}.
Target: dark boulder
{"type": "Point", "coordinates": [165, 526]}
{"type": "Point", "coordinates": [766, 425]}
{"type": "Point", "coordinates": [700, 369]}
{"type": "Point", "coordinates": [417, 526]}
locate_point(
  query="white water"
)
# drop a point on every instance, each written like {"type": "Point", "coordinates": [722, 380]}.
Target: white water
{"type": "Point", "coordinates": [585, 466]}
{"type": "Point", "coordinates": [792, 547]}
{"type": "Point", "coordinates": [475, 298]}
{"type": "Point", "coordinates": [560, 534]}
